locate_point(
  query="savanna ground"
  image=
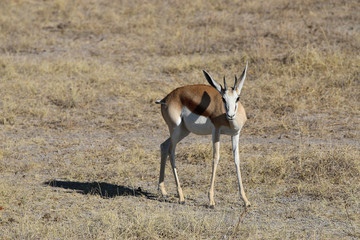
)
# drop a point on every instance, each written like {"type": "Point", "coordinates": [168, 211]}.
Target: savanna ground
{"type": "Point", "coordinates": [80, 133]}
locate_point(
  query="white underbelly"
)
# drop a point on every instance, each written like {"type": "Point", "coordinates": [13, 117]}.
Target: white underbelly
{"type": "Point", "coordinates": [195, 123]}
{"type": "Point", "coordinates": [201, 125]}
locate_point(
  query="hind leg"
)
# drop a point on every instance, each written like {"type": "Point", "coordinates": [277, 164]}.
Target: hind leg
{"type": "Point", "coordinates": [168, 149]}
{"type": "Point", "coordinates": [172, 116]}
{"type": "Point", "coordinates": [164, 154]}
{"type": "Point", "coordinates": [177, 135]}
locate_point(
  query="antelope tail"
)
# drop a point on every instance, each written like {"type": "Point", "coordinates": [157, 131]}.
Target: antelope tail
{"type": "Point", "coordinates": [160, 101]}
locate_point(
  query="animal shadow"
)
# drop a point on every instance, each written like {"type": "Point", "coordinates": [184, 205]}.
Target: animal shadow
{"type": "Point", "coordinates": [103, 189]}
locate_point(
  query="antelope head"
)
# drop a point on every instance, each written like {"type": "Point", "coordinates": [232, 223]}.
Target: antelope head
{"type": "Point", "coordinates": [230, 96]}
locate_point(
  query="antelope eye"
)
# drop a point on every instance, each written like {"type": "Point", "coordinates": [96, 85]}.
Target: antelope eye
{"type": "Point", "coordinates": [238, 98]}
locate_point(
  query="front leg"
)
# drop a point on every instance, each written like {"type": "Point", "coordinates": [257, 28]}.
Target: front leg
{"type": "Point", "coordinates": [216, 157]}
{"type": "Point", "coordinates": [235, 148]}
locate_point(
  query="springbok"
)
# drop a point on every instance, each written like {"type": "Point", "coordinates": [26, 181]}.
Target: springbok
{"type": "Point", "coordinates": [203, 110]}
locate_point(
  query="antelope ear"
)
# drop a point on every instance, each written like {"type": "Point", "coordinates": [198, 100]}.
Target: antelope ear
{"type": "Point", "coordinates": [239, 84]}
{"type": "Point", "coordinates": [212, 82]}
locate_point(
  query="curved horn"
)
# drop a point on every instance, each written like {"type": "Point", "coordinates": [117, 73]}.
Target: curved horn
{"type": "Point", "coordinates": [225, 86]}
{"type": "Point", "coordinates": [235, 82]}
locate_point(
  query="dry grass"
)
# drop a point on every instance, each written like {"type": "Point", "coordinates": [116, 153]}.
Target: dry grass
{"type": "Point", "coordinates": [80, 135]}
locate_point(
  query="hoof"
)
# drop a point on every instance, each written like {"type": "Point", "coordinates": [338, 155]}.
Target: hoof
{"type": "Point", "coordinates": [182, 202]}
{"type": "Point", "coordinates": [247, 205]}
{"type": "Point", "coordinates": [212, 206]}
{"type": "Point", "coordinates": [163, 198]}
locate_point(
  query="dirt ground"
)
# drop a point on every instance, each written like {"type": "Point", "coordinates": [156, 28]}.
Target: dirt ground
{"type": "Point", "coordinates": [80, 134]}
